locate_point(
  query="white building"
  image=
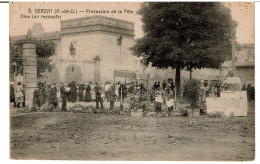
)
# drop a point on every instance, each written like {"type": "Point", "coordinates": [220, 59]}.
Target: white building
{"type": "Point", "coordinates": [89, 49]}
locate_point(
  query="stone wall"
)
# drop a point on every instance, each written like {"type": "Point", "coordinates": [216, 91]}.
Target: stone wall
{"type": "Point", "coordinates": [99, 43]}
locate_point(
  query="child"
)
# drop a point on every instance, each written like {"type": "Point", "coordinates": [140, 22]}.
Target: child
{"type": "Point", "coordinates": [158, 100]}
{"type": "Point", "coordinates": [170, 101]}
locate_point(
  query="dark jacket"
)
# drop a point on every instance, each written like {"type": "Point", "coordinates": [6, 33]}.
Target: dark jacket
{"type": "Point", "coordinates": [63, 92]}
{"type": "Point", "coordinates": [98, 91]}
{"type": "Point", "coordinates": [111, 94]}
{"type": "Point", "coordinates": [53, 92]}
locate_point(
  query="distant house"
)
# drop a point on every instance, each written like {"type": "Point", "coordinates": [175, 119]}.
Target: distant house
{"type": "Point", "coordinates": [244, 62]}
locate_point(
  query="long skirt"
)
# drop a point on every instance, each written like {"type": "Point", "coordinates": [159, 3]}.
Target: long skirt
{"type": "Point", "coordinates": [169, 103]}
{"type": "Point", "coordinates": [74, 96]}
{"type": "Point", "coordinates": [88, 97]}
{"type": "Point", "coordinates": [80, 95]}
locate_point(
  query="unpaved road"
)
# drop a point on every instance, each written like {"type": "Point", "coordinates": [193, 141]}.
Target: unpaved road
{"type": "Point", "coordinates": [83, 136]}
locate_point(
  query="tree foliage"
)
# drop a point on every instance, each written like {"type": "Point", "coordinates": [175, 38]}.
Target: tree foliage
{"type": "Point", "coordinates": [44, 50]}
{"type": "Point", "coordinates": [16, 52]}
{"type": "Point", "coordinates": [185, 35]}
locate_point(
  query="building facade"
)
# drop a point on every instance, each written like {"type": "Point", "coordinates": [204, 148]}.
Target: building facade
{"type": "Point", "coordinates": [244, 62]}
{"type": "Point", "coordinates": [88, 49]}
{"type": "Point", "coordinates": [92, 48]}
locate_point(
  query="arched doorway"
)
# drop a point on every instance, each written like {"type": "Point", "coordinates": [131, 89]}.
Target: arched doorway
{"type": "Point", "coordinates": [73, 73]}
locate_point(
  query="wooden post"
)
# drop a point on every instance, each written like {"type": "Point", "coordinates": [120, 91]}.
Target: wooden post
{"type": "Point", "coordinates": [175, 94]}
{"type": "Point", "coordinates": [121, 98]}
{"type": "Point", "coordinates": [121, 95]}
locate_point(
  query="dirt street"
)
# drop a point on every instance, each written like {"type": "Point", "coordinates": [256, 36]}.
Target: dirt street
{"type": "Point", "coordinates": [84, 136]}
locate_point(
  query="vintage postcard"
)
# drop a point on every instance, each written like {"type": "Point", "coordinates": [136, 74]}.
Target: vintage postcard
{"type": "Point", "coordinates": [135, 81]}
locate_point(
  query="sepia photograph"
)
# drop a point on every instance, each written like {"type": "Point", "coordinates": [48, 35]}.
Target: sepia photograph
{"type": "Point", "coordinates": [132, 81]}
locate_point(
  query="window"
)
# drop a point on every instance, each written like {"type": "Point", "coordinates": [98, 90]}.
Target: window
{"type": "Point", "coordinates": [119, 39]}
{"type": "Point", "coordinates": [72, 49]}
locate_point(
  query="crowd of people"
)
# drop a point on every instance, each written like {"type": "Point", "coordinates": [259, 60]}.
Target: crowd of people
{"type": "Point", "coordinates": [160, 93]}
{"type": "Point", "coordinates": [215, 89]}
{"type": "Point", "coordinates": [93, 92]}
{"type": "Point", "coordinates": [163, 94]}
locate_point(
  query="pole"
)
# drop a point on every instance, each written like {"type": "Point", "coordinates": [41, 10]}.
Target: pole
{"type": "Point", "coordinates": [175, 94]}
{"type": "Point", "coordinates": [120, 57]}
{"type": "Point", "coordinates": [121, 99]}
{"type": "Point", "coordinates": [121, 95]}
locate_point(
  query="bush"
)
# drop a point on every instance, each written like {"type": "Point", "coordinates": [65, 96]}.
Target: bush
{"type": "Point", "coordinates": [215, 114]}
{"type": "Point", "coordinates": [192, 89]}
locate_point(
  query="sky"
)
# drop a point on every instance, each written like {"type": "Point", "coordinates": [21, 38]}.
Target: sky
{"type": "Point", "coordinates": [242, 12]}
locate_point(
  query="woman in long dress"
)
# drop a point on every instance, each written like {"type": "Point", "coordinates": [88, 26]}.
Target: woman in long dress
{"type": "Point", "coordinates": [170, 101]}
{"type": "Point", "coordinates": [92, 91]}
{"type": "Point", "coordinates": [19, 94]}
{"type": "Point", "coordinates": [81, 88]}
{"type": "Point", "coordinates": [107, 86]}
{"type": "Point", "coordinates": [88, 94]}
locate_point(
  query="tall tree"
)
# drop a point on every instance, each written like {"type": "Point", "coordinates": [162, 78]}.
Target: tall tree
{"type": "Point", "coordinates": [186, 35]}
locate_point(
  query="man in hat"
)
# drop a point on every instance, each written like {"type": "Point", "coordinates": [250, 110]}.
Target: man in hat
{"type": "Point", "coordinates": [112, 96]}
{"type": "Point", "coordinates": [98, 96]}
{"type": "Point", "coordinates": [36, 95]}
{"type": "Point", "coordinates": [53, 96]}
{"type": "Point", "coordinates": [63, 95]}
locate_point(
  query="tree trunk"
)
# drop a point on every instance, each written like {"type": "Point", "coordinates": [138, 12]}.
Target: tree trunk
{"type": "Point", "coordinates": [178, 81]}
{"type": "Point", "coordinates": [190, 74]}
